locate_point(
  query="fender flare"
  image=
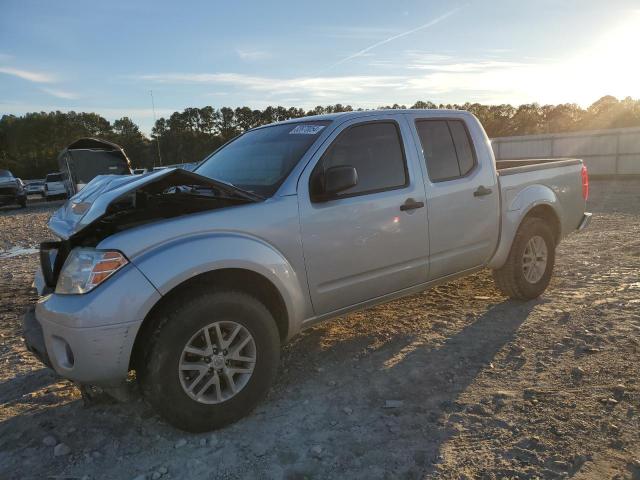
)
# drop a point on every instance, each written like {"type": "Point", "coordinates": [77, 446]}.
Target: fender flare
{"type": "Point", "coordinates": [517, 208]}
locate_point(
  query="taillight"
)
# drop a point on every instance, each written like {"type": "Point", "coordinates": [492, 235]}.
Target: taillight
{"type": "Point", "coordinates": [585, 182]}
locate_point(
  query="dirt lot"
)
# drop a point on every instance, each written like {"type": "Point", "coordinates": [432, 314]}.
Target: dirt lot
{"type": "Point", "coordinates": [453, 383]}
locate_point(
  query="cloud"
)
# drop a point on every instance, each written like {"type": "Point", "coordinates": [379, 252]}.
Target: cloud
{"type": "Point", "coordinates": [37, 77]}
{"type": "Point", "coordinates": [252, 54]}
{"type": "Point", "coordinates": [60, 93]}
{"type": "Point", "coordinates": [311, 86]}
{"type": "Point", "coordinates": [360, 53]}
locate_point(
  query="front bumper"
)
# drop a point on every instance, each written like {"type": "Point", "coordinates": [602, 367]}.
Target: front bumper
{"type": "Point", "coordinates": [33, 336]}
{"type": "Point", "coordinates": [586, 220]}
{"type": "Point", "coordinates": [89, 338]}
{"type": "Point", "coordinates": [11, 199]}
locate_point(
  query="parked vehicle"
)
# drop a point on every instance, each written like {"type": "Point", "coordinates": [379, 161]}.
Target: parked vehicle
{"type": "Point", "coordinates": [54, 186]}
{"type": "Point", "coordinates": [194, 280]}
{"type": "Point", "coordinates": [86, 158]}
{"type": "Point", "coordinates": [34, 187]}
{"type": "Point", "coordinates": [12, 190]}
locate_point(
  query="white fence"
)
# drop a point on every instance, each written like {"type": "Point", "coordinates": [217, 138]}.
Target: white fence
{"type": "Point", "coordinates": [605, 152]}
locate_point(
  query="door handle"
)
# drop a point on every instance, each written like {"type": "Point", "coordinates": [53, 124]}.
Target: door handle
{"type": "Point", "coordinates": [411, 204]}
{"type": "Point", "coordinates": [482, 190]}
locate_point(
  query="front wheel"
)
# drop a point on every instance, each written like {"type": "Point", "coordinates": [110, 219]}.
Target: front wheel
{"type": "Point", "coordinates": [527, 271]}
{"type": "Point", "coordinates": [210, 360]}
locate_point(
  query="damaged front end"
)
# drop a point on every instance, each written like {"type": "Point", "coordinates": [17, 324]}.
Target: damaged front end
{"type": "Point", "coordinates": [113, 203]}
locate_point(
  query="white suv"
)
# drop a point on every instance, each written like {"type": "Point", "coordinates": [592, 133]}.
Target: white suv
{"type": "Point", "coordinates": [54, 186]}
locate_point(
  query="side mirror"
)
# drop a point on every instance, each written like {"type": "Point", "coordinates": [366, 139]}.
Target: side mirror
{"type": "Point", "coordinates": [338, 179]}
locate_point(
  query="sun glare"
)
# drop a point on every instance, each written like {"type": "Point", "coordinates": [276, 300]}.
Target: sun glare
{"type": "Point", "coordinates": [609, 66]}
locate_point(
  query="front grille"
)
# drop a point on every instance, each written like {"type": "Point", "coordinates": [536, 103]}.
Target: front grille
{"type": "Point", "coordinates": [7, 190]}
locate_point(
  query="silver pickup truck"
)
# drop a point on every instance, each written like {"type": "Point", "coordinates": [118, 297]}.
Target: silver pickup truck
{"type": "Point", "coordinates": [193, 280]}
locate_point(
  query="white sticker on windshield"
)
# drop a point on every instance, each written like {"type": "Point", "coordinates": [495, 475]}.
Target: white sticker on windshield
{"type": "Point", "coordinates": [306, 129]}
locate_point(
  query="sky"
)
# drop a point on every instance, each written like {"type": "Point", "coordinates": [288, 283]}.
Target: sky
{"type": "Point", "coordinates": [107, 56]}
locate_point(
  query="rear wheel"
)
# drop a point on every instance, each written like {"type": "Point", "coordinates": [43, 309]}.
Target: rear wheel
{"type": "Point", "coordinates": [210, 360]}
{"type": "Point", "coordinates": [527, 271]}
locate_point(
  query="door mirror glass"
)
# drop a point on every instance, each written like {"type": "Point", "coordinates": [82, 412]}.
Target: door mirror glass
{"type": "Point", "coordinates": [338, 179]}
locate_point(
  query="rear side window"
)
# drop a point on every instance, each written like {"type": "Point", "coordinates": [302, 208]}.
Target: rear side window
{"type": "Point", "coordinates": [55, 177]}
{"type": "Point", "coordinates": [446, 148]}
{"type": "Point", "coordinates": [375, 150]}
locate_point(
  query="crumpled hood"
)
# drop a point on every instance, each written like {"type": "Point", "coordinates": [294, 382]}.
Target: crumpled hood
{"type": "Point", "coordinates": [91, 203]}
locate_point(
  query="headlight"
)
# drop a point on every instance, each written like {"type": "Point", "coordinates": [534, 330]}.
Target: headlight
{"type": "Point", "coordinates": [86, 268]}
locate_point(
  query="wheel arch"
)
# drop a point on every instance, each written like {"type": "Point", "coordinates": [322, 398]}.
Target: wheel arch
{"type": "Point", "coordinates": [536, 201]}
{"type": "Point", "coordinates": [241, 279]}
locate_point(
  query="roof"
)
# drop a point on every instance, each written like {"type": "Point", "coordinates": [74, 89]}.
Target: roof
{"type": "Point", "coordinates": [88, 143]}
{"type": "Point", "coordinates": [366, 113]}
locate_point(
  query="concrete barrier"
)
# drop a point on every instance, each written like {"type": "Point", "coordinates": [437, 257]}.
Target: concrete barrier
{"type": "Point", "coordinates": [605, 152]}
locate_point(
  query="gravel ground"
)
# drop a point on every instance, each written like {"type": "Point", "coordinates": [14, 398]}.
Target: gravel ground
{"type": "Point", "coordinates": [457, 382]}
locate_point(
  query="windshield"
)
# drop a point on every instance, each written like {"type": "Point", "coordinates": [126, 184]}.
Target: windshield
{"type": "Point", "coordinates": [261, 159]}
{"type": "Point", "coordinates": [5, 174]}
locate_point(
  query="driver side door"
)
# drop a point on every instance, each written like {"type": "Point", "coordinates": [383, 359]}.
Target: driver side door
{"type": "Point", "coordinates": [371, 239]}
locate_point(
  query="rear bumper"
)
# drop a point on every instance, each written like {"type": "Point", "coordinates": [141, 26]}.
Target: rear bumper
{"type": "Point", "coordinates": [586, 220]}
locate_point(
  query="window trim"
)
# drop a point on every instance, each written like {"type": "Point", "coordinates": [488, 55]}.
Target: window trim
{"type": "Point", "coordinates": [471, 144]}
{"type": "Point", "coordinates": [407, 179]}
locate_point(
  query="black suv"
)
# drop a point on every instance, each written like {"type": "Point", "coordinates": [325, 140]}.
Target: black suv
{"type": "Point", "coordinates": [11, 190]}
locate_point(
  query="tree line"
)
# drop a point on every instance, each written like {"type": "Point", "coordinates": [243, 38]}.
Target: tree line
{"type": "Point", "coordinates": [29, 144]}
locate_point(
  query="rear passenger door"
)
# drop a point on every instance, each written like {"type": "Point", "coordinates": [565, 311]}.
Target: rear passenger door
{"type": "Point", "coordinates": [364, 242]}
{"type": "Point", "coordinates": [462, 194]}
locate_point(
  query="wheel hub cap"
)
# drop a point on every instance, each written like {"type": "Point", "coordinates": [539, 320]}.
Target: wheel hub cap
{"type": "Point", "coordinates": [534, 259]}
{"type": "Point", "coordinates": [217, 362]}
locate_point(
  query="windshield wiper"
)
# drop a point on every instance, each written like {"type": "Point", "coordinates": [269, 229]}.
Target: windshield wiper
{"type": "Point", "coordinates": [256, 196]}
{"type": "Point", "coordinates": [218, 192]}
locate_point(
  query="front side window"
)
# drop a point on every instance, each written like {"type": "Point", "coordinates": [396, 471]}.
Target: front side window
{"type": "Point", "coordinates": [446, 148]}
{"type": "Point", "coordinates": [260, 160]}
{"type": "Point", "coordinates": [375, 151]}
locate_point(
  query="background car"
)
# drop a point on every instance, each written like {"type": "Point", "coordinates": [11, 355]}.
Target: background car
{"type": "Point", "coordinates": [54, 186]}
{"type": "Point", "coordinates": [12, 190]}
{"type": "Point", "coordinates": [86, 158]}
{"type": "Point", "coordinates": [34, 187]}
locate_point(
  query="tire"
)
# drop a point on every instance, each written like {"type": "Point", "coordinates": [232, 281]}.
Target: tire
{"type": "Point", "coordinates": [23, 202]}
{"type": "Point", "coordinates": [511, 278]}
{"type": "Point", "coordinates": [182, 322]}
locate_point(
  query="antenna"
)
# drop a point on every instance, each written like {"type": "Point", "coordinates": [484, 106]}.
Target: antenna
{"type": "Point", "coordinates": [153, 107]}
